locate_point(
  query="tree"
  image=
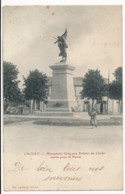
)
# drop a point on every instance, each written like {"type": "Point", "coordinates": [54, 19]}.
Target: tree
{"type": "Point", "coordinates": [36, 88]}
{"type": "Point", "coordinates": [118, 75]}
{"type": "Point", "coordinates": [11, 90]}
{"type": "Point", "coordinates": [115, 87]}
{"type": "Point", "coordinates": [94, 86]}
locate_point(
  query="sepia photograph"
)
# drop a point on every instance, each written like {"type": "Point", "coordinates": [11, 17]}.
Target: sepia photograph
{"type": "Point", "coordinates": [62, 97]}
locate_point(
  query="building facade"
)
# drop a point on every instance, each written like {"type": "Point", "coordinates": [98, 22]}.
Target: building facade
{"type": "Point", "coordinates": [104, 106]}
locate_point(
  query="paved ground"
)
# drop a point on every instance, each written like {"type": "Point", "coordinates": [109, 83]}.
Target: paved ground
{"type": "Point", "coordinates": [27, 136]}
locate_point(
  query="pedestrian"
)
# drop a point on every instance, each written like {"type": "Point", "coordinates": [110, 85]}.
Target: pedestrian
{"type": "Point", "coordinates": [93, 119]}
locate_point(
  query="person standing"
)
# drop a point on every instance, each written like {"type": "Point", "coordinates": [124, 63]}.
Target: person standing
{"type": "Point", "coordinates": [93, 118]}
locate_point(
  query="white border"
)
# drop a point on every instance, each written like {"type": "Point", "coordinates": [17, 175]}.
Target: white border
{"type": "Point", "coordinates": [60, 2]}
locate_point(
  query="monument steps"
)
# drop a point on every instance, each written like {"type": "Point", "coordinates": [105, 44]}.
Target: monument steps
{"type": "Point", "coordinates": [55, 114]}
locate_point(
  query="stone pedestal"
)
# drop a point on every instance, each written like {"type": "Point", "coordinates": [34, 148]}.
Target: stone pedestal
{"type": "Point", "coordinates": [62, 97]}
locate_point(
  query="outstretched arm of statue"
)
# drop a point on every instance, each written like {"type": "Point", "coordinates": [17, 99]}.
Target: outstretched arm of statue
{"type": "Point", "coordinates": [55, 42]}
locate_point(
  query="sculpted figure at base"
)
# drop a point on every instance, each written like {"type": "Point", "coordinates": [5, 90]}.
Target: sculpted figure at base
{"type": "Point", "coordinates": [61, 40]}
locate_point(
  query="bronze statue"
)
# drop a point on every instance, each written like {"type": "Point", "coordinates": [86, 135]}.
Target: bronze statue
{"type": "Point", "coordinates": [61, 40]}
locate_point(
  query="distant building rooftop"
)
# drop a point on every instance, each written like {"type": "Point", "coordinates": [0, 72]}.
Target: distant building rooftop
{"type": "Point", "coordinates": [77, 81]}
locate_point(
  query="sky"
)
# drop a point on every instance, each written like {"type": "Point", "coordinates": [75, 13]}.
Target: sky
{"type": "Point", "coordinates": [94, 37]}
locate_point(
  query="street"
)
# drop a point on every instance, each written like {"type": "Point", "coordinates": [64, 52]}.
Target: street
{"type": "Point", "coordinates": [26, 136]}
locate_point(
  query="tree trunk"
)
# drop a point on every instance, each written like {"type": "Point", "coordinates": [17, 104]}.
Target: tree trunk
{"type": "Point", "coordinates": [120, 107]}
{"type": "Point", "coordinates": [89, 109]}
{"type": "Point", "coordinates": [92, 103]}
{"type": "Point", "coordinates": [33, 106]}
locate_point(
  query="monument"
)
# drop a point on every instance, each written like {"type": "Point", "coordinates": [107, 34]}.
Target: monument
{"type": "Point", "coordinates": [62, 98]}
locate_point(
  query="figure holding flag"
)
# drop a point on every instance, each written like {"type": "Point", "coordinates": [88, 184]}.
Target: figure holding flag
{"type": "Point", "coordinates": [61, 40]}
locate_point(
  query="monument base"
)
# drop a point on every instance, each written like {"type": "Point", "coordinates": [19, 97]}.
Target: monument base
{"type": "Point", "coordinates": [60, 106]}
{"type": "Point", "coordinates": [55, 114]}
{"type": "Point", "coordinates": [62, 98]}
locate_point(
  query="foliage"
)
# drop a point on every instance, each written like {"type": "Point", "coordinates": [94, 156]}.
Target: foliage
{"type": "Point", "coordinates": [10, 83]}
{"type": "Point", "coordinates": [115, 87]}
{"type": "Point", "coordinates": [118, 74]}
{"type": "Point", "coordinates": [115, 90]}
{"type": "Point", "coordinates": [94, 85]}
{"type": "Point", "coordinates": [36, 86]}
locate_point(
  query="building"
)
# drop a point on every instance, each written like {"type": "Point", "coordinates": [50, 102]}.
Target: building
{"type": "Point", "coordinates": [103, 106]}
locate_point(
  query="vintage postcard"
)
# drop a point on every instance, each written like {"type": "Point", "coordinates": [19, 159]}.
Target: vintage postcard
{"type": "Point", "coordinates": [62, 97]}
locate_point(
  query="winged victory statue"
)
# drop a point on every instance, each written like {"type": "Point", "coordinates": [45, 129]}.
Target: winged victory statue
{"type": "Point", "coordinates": [61, 40]}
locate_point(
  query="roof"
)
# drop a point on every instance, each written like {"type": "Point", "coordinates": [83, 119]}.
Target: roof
{"type": "Point", "coordinates": [77, 81]}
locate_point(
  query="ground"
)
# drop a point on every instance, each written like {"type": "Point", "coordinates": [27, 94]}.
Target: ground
{"type": "Point", "coordinates": [27, 136]}
{"type": "Point", "coordinates": [95, 154]}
